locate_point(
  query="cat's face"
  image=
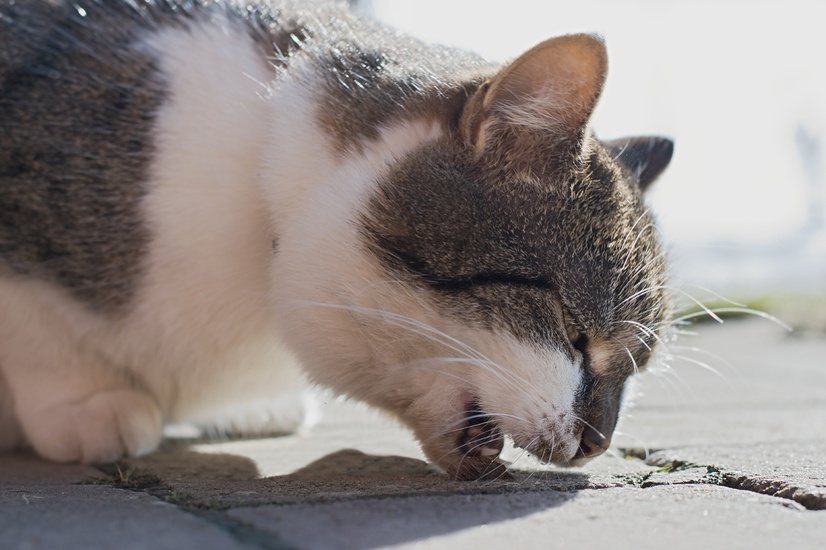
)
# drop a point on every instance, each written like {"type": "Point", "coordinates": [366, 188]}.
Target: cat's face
{"type": "Point", "coordinates": [510, 278]}
{"type": "Point", "coordinates": [543, 294]}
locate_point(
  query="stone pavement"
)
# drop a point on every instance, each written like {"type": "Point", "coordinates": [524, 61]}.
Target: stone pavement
{"type": "Point", "coordinates": [729, 459]}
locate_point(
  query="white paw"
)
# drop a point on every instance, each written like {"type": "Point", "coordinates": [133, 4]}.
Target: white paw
{"type": "Point", "coordinates": [283, 415]}
{"type": "Point", "coordinates": [102, 428]}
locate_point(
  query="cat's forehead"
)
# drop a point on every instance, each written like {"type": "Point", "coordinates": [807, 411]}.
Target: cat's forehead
{"type": "Point", "coordinates": [462, 218]}
{"type": "Point", "coordinates": [580, 230]}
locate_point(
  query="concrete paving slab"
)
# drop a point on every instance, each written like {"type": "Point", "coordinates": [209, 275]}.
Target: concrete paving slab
{"type": "Point", "coordinates": [98, 516]}
{"type": "Point", "coordinates": [657, 517]}
{"type": "Point", "coordinates": [666, 428]}
{"type": "Point", "coordinates": [771, 387]}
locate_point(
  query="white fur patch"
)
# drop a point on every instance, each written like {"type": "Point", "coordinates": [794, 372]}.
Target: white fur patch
{"type": "Point", "coordinates": [201, 339]}
{"type": "Point", "coordinates": [206, 301]}
{"type": "Point", "coordinates": [535, 391]}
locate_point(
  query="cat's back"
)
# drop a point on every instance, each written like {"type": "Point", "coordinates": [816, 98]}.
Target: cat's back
{"type": "Point", "coordinates": [85, 88]}
{"type": "Point", "coordinates": [68, 112]}
{"type": "Point", "coordinates": [96, 94]}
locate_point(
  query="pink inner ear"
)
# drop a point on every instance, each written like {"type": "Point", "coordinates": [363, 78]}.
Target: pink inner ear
{"type": "Point", "coordinates": [556, 84]}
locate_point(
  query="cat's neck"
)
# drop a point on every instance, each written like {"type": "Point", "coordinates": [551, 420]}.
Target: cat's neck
{"type": "Point", "coordinates": [306, 173]}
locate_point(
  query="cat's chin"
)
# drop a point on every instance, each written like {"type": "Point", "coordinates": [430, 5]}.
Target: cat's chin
{"type": "Point", "coordinates": [478, 468]}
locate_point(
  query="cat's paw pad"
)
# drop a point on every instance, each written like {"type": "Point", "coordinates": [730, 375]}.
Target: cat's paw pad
{"type": "Point", "coordinates": [102, 428]}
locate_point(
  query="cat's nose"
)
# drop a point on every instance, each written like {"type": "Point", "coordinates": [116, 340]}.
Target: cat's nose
{"type": "Point", "coordinates": [592, 443]}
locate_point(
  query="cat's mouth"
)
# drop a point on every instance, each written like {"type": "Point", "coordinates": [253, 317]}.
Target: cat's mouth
{"type": "Point", "coordinates": [479, 443]}
{"type": "Point", "coordinates": [480, 437]}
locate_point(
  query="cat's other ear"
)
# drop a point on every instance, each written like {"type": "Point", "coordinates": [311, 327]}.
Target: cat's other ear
{"type": "Point", "coordinates": [645, 157]}
{"type": "Point", "coordinates": [552, 88]}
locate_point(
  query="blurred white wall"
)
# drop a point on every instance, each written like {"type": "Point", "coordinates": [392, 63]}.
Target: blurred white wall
{"type": "Point", "coordinates": [740, 85]}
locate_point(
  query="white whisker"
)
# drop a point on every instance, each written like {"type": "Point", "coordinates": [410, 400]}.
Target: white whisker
{"type": "Point", "coordinates": [634, 244]}
{"type": "Point", "coordinates": [580, 419]}
{"type": "Point", "coordinates": [631, 231]}
{"type": "Point", "coordinates": [459, 425]}
{"type": "Point", "coordinates": [655, 288]}
{"type": "Point", "coordinates": [718, 296]}
{"type": "Point", "coordinates": [704, 366]}
{"type": "Point", "coordinates": [707, 353]}
{"type": "Point", "coordinates": [438, 337]}
{"type": "Point", "coordinates": [740, 310]}
{"type": "Point", "coordinates": [432, 333]}
{"type": "Point", "coordinates": [631, 355]}
{"type": "Point", "coordinates": [523, 452]}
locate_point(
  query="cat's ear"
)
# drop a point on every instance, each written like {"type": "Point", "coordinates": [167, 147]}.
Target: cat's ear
{"type": "Point", "coordinates": [645, 157]}
{"type": "Point", "coordinates": [552, 88]}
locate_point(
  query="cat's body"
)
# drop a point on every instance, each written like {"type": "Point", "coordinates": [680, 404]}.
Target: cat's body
{"type": "Point", "coordinates": [195, 197]}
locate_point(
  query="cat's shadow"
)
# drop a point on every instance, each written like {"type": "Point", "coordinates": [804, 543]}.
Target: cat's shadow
{"type": "Point", "coordinates": [366, 499]}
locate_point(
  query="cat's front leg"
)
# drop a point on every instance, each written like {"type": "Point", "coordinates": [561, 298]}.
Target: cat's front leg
{"type": "Point", "coordinates": [70, 404]}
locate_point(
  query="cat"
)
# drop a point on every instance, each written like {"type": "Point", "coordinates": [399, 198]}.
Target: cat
{"type": "Point", "coordinates": [207, 205]}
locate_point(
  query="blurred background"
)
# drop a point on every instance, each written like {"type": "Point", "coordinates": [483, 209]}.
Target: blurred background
{"type": "Point", "coordinates": [739, 85]}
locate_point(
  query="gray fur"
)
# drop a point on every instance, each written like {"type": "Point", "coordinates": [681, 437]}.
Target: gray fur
{"type": "Point", "coordinates": [517, 249]}
{"type": "Point", "coordinates": [375, 77]}
{"type": "Point", "coordinates": [75, 143]}
{"type": "Point", "coordinates": [78, 103]}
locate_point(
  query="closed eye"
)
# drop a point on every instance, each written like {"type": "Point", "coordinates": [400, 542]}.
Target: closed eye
{"type": "Point", "coordinates": [459, 283]}
{"type": "Point", "coordinates": [578, 339]}
{"type": "Point", "coordinates": [480, 279]}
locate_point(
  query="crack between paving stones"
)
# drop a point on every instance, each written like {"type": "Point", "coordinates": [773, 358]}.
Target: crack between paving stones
{"type": "Point", "coordinates": [241, 531]}
{"type": "Point", "coordinates": [132, 479]}
{"type": "Point", "coordinates": [776, 488]}
{"type": "Point", "coordinates": [216, 514]}
{"type": "Point", "coordinates": [724, 478]}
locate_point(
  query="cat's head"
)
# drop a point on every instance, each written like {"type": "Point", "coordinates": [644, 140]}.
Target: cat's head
{"type": "Point", "coordinates": [504, 277]}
